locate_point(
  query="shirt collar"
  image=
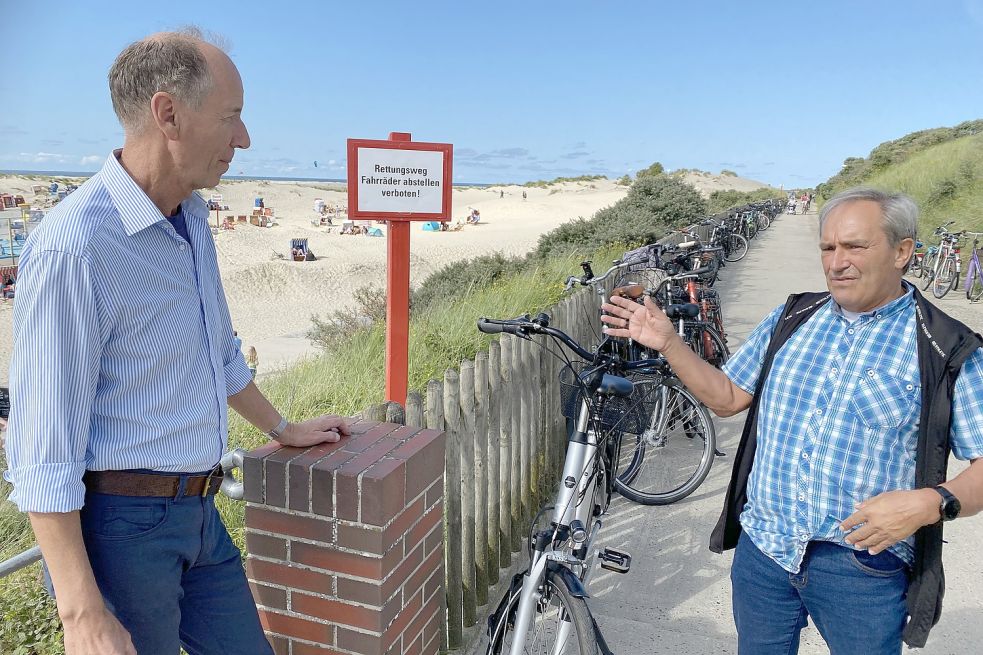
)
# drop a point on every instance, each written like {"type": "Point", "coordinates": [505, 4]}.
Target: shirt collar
{"type": "Point", "coordinates": [895, 305]}
{"type": "Point", "coordinates": [136, 210]}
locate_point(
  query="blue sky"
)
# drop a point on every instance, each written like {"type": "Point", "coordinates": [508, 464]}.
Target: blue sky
{"type": "Point", "coordinates": [782, 92]}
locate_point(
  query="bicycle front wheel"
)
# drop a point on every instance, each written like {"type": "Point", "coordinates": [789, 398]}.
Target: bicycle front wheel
{"type": "Point", "coordinates": [764, 221]}
{"type": "Point", "coordinates": [735, 247]}
{"type": "Point", "coordinates": [672, 456]}
{"type": "Point", "coordinates": [944, 280]}
{"type": "Point", "coordinates": [561, 624]}
{"type": "Point", "coordinates": [974, 285]}
{"type": "Point", "coordinates": [928, 271]}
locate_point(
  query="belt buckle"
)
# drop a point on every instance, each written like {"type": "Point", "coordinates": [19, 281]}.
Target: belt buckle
{"type": "Point", "coordinates": [206, 487]}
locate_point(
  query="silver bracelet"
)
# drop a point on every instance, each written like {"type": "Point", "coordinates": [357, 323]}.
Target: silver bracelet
{"type": "Point", "coordinates": [277, 432]}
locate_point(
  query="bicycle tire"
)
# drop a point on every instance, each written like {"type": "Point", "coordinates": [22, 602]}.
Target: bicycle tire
{"type": "Point", "coordinates": [928, 270]}
{"type": "Point", "coordinates": [916, 268]}
{"type": "Point", "coordinates": [648, 478]}
{"type": "Point", "coordinates": [974, 284]}
{"type": "Point", "coordinates": [764, 221]}
{"type": "Point", "coordinates": [717, 354]}
{"type": "Point", "coordinates": [942, 283]}
{"type": "Point", "coordinates": [554, 587]}
{"type": "Point", "coordinates": [736, 247]}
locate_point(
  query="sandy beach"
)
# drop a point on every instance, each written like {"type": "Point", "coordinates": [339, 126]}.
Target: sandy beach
{"type": "Point", "coordinates": [272, 300]}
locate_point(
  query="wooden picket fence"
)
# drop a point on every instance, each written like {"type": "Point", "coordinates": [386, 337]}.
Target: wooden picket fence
{"type": "Point", "coordinates": [506, 440]}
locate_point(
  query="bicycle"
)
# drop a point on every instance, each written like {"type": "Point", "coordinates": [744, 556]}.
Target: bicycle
{"type": "Point", "coordinates": [943, 276]}
{"type": "Point", "coordinates": [544, 610]}
{"type": "Point", "coordinates": [973, 286]}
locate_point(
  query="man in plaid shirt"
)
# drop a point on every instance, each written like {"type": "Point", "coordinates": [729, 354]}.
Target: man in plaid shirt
{"type": "Point", "coordinates": [831, 499]}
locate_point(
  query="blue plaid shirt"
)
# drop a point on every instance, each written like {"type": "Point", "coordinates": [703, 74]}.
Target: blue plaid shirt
{"type": "Point", "coordinates": [838, 423]}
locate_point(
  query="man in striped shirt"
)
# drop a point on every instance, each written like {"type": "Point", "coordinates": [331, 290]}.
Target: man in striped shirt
{"type": "Point", "coordinates": [124, 364]}
{"type": "Point", "coordinates": [832, 504]}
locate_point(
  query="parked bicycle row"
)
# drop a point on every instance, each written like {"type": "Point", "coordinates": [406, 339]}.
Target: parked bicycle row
{"type": "Point", "coordinates": [633, 426]}
{"type": "Point", "coordinates": [940, 265]}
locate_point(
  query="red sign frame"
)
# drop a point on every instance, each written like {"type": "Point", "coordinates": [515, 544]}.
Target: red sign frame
{"type": "Point", "coordinates": [397, 143]}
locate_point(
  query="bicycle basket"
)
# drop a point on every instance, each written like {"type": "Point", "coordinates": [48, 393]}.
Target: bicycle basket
{"type": "Point", "coordinates": [630, 414]}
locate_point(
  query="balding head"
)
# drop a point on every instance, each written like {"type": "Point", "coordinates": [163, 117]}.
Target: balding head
{"type": "Point", "coordinates": [179, 63]}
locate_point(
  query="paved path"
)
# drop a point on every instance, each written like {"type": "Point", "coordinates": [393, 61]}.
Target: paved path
{"type": "Point", "coordinates": [676, 599]}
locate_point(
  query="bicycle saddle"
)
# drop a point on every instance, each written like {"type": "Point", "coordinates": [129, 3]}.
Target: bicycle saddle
{"type": "Point", "coordinates": [682, 311]}
{"type": "Point", "coordinates": [612, 385]}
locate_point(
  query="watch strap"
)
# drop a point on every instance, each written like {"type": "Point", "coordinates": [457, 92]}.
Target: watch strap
{"type": "Point", "coordinates": [277, 431]}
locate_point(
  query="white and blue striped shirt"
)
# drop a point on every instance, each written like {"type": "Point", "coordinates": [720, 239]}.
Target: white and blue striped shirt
{"type": "Point", "coordinates": [838, 423]}
{"type": "Point", "coordinates": [123, 350]}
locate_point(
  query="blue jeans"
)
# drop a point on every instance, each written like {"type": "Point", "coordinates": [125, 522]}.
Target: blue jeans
{"type": "Point", "coordinates": [169, 572]}
{"type": "Point", "coordinates": [857, 600]}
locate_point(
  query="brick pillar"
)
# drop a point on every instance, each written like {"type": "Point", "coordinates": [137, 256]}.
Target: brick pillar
{"type": "Point", "coordinates": [345, 542]}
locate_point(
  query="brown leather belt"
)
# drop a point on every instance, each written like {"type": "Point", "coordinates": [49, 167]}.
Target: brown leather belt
{"type": "Point", "coordinates": [129, 483]}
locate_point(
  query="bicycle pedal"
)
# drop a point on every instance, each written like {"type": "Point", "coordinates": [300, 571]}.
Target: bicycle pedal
{"type": "Point", "coordinates": [614, 560]}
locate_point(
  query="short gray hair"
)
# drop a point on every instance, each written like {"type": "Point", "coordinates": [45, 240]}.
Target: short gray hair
{"type": "Point", "coordinates": [898, 211]}
{"type": "Point", "coordinates": [170, 62]}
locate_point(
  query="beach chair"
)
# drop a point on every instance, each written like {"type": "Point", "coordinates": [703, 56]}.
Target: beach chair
{"type": "Point", "coordinates": [299, 249]}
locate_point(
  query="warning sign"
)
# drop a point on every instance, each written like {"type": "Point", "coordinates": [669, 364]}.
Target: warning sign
{"type": "Point", "coordinates": [405, 180]}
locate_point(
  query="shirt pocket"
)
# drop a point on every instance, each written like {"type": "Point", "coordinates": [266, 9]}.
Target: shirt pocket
{"type": "Point", "coordinates": [883, 401]}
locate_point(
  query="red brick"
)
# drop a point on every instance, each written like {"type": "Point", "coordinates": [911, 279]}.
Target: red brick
{"type": "Point", "coordinates": [252, 472]}
{"type": "Point", "coordinates": [399, 574]}
{"type": "Point", "coordinates": [322, 482]}
{"type": "Point", "coordinates": [339, 612]}
{"type": "Point", "coordinates": [293, 577]}
{"type": "Point", "coordinates": [382, 494]}
{"type": "Point", "coordinates": [410, 609]}
{"type": "Point", "coordinates": [268, 596]}
{"type": "Point", "coordinates": [265, 545]}
{"type": "Point", "coordinates": [425, 525]}
{"type": "Point", "coordinates": [283, 523]}
{"type": "Point", "coordinates": [424, 455]}
{"type": "Point", "coordinates": [359, 642]}
{"type": "Point", "coordinates": [434, 540]}
{"type": "Point", "coordinates": [281, 646]}
{"type": "Point", "coordinates": [435, 584]}
{"type": "Point", "coordinates": [360, 591]}
{"type": "Point", "coordinates": [299, 475]}
{"type": "Point", "coordinates": [432, 631]}
{"type": "Point", "coordinates": [435, 492]}
{"type": "Point", "coordinates": [415, 648]}
{"type": "Point", "coordinates": [415, 630]}
{"type": "Point", "coordinates": [336, 560]}
{"type": "Point", "coordinates": [276, 475]}
{"type": "Point", "coordinates": [293, 626]}
{"type": "Point", "coordinates": [416, 581]}
{"type": "Point", "coordinates": [360, 441]}
{"type": "Point", "coordinates": [300, 648]}
{"type": "Point", "coordinates": [369, 456]}
{"type": "Point", "coordinates": [376, 541]}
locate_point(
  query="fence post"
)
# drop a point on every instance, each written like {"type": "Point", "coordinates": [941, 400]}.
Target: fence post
{"type": "Point", "coordinates": [494, 457]}
{"type": "Point", "coordinates": [452, 511]}
{"type": "Point", "coordinates": [435, 421]}
{"type": "Point", "coordinates": [526, 432]}
{"type": "Point", "coordinates": [536, 448]}
{"type": "Point", "coordinates": [395, 413]}
{"type": "Point", "coordinates": [467, 484]}
{"type": "Point", "coordinates": [481, 478]}
{"type": "Point", "coordinates": [505, 453]}
{"type": "Point", "coordinates": [414, 409]}
{"type": "Point", "coordinates": [516, 436]}
{"type": "Point", "coordinates": [375, 413]}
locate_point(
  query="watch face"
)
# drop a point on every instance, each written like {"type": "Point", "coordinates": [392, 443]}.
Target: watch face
{"type": "Point", "coordinates": [950, 509]}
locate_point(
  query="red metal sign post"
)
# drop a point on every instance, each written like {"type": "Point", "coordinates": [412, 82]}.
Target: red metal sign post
{"type": "Point", "coordinates": [400, 181]}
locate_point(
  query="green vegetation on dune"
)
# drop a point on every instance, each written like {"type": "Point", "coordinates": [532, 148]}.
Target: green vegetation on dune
{"type": "Point", "coordinates": [941, 169]}
{"type": "Point", "coordinates": [721, 201]}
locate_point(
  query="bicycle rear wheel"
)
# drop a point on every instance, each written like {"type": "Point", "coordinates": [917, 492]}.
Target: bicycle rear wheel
{"type": "Point", "coordinates": [974, 284]}
{"type": "Point", "coordinates": [764, 221]}
{"type": "Point", "coordinates": [945, 279]}
{"type": "Point", "coordinates": [735, 247]}
{"type": "Point", "coordinates": [928, 271]}
{"type": "Point", "coordinates": [673, 455]}
{"type": "Point", "coordinates": [559, 616]}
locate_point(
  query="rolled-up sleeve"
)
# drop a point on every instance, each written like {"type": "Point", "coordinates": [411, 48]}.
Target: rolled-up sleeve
{"type": "Point", "coordinates": [53, 376]}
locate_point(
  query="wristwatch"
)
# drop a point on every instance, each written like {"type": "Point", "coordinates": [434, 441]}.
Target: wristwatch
{"type": "Point", "coordinates": [949, 508]}
{"type": "Point", "coordinates": [277, 432]}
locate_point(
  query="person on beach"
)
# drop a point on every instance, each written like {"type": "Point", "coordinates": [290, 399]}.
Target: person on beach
{"type": "Point", "coordinates": [123, 366]}
{"type": "Point", "coordinates": [856, 396]}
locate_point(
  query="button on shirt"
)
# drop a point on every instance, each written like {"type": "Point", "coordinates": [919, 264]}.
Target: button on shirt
{"type": "Point", "coordinates": [838, 423]}
{"type": "Point", "coordinates": [123, 355]}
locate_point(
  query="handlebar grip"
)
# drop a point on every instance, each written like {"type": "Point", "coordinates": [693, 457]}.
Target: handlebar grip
{"type": "Point", "coordinates": [484, 325]}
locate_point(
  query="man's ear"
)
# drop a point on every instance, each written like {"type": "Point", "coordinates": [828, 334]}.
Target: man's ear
{"type": "Point", "coordinates": [904, 252]}
{"type": "Point", "coordinates": [163, 109]}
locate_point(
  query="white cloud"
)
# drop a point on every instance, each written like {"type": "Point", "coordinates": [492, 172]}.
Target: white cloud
{"type": "Point", "coordinates": [90, 159]}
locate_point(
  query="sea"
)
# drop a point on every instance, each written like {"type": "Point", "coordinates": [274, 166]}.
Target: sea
{"type": "Point", "coordinates": [234, 178]}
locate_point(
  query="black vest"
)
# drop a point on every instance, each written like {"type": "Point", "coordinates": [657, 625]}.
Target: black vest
{"type": "Point", "coordinates": [943, 345]}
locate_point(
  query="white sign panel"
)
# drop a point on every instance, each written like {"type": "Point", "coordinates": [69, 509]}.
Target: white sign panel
{"type": "Point", "coordinates": [400, 180]}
